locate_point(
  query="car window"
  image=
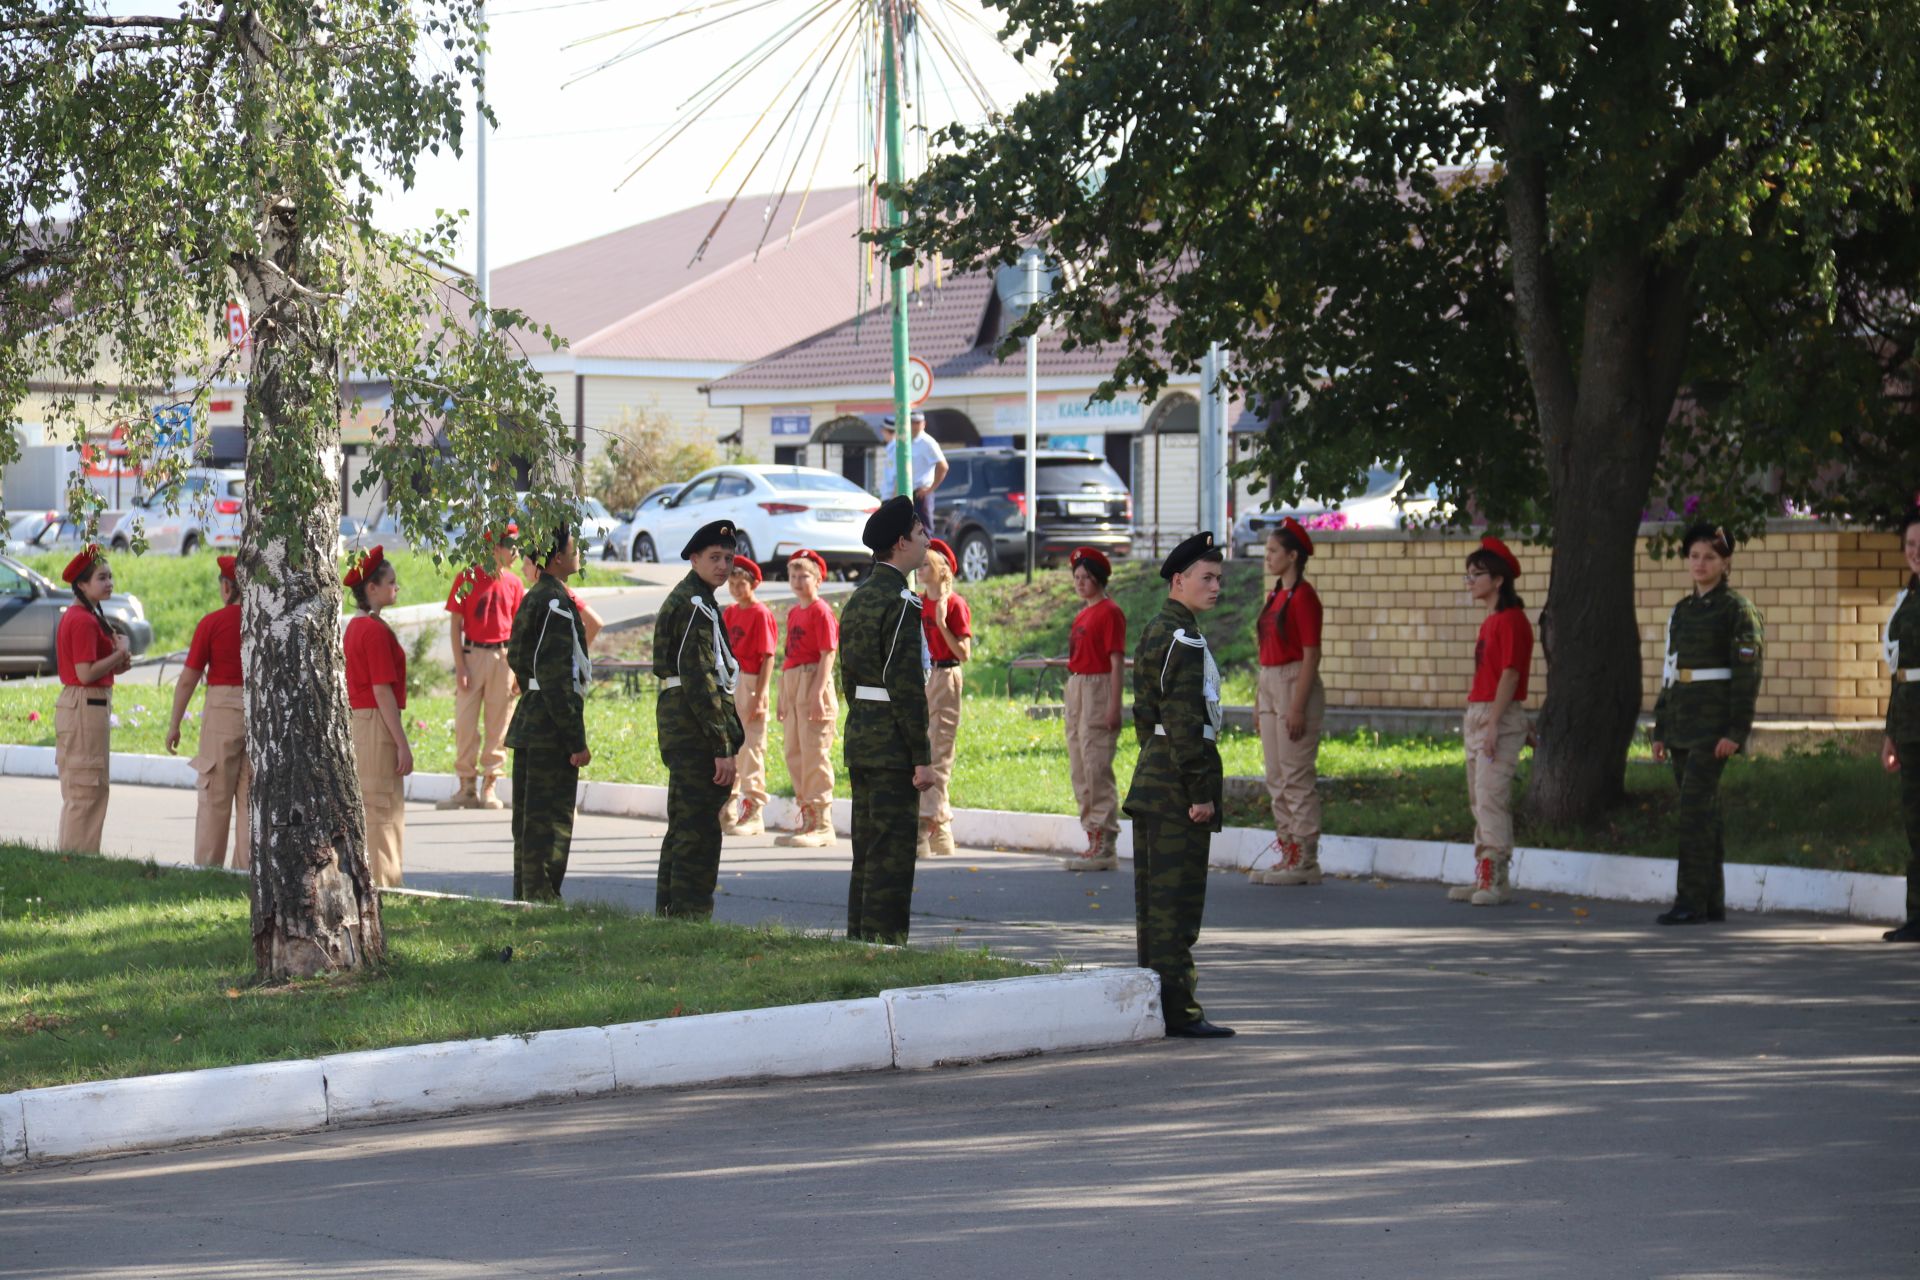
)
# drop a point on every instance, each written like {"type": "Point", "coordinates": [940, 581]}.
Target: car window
{"type": "Point", "coordinates": [13, 583]}
{"type": "Point", "coordinates": [1380, 482]}
{"type": "Point", "coordinates": [733, 487]}
{"type": "Point", "coordinates": [1065, 475]}
{"type": "Point", "coordinates": [699, 492]}
{"type": "Point", "coordinates": [959, 477]}
{"type": "Point", "coordinates": [237, 488]}
{"type": "Point", "coordinates": [593, 509]}
{"type": "Point", "coordinates": [810, 482]}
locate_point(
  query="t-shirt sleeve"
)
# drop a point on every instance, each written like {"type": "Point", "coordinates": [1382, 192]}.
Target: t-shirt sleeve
{"type": "Point", "coordinates": [200, 652]}
{"type": "Point", "coordinates": [960, 618]}
{"type": "Point", "coordinates": [764, 634]}
{"type": "Point", "coordinates": [378, 650]}
{"type": "Point", "coordinates": [1307, 609]}
{"type": "Point", "coordinates": [1512, 643]}
{"type": "Point", "coordinates": [1113, 633]}
{"type": "Point", "coordinates": [456, 594]}
{"type": "Point", "coordinates": [829, 628]}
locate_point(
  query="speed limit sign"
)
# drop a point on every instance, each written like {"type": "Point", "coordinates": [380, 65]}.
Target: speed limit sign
{"type": "Point", "coordinates": [919, 381]}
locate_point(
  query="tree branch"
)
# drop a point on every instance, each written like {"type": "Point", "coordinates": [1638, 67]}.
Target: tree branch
{"type": "Point", "coordinates": [46, 21]}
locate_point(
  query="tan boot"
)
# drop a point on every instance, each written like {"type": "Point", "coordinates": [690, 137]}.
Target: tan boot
{"type": "Point", "coordinates": [1102, 855]}
{"type": "Point", "coordinates": [488, 800]}
{"type": "Point", "coordinates": [462, 798]}
{"type": "Point", "coordinates": [923, 847]}
{"type": "Point", "coordinates": [817, 833]}
{"type": "Point", "coordinates": [940, 839]}
{"type": "Point", "coordinates": [1495, 892]}
{"type": "Point", "coordinates": [1482, 879]}
{"type": "Point", "coordinates": [791, 839]}
{"type": "Point", "coordinates": [729, 822]}
{"type": "Point", "coordinates": [750, 823]}
{"type": "Point", "coordinates": [1300, 867]}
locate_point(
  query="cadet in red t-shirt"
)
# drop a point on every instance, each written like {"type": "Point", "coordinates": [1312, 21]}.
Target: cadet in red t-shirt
{"type": "Point", "coordinates": [948, 624]}
{"type": "Point", "coordinates": [89, 654]}
{"type": "Point", "coordinates": [1096, 681]}
{"type": "Point", "coordinates": [1290, 706]}
{"type": "Point", "coordinates": [751, 634]}
{"type": "Point", "coordinates": [809, 711]}
{"type": "Point", "coordinates": [376, 695]}
{"type": "Point", "coordinates": [1495, 727]}
{"type": "Point", "coordinates": [222, 773]}
{"type": "Point", "coordinates": [481, 606]}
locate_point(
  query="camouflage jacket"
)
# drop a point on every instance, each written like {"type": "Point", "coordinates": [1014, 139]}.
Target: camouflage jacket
{"type": "Point", "coordinates": [1176, 713]}
{"type": "Point", "coordinates": [883, 649]}
{"type": "Point", "coordinates": [1902, 651]}
{"type": "Point", "coordinates": [548, 656]}
{"type": "Point", "coordinates": [696, 669]}
{"type": "Point", "coordinates": [1718, 629]}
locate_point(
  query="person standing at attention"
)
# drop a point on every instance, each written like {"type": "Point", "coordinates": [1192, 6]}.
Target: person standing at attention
{"type": "Point", "coordinates": [699, 732]}
{"type": "Point", "coordinates": [88, 654]}
{"type": "Point", "coordinates": [547, 654]}
{"type": "Point", "coordinates": [481, 607]}
{"type": "Point", "coordinates": [376, 695]}
{"type": "Point", "coordinates": [751, 633]}
{"type": "Point", "coordinates": [1495, 726]}
{"type": "Point", "coordinates": [222, 773]}
{"type": "Point", "coordinates": [1175, 799]}
{"type": "Point", "coordinates": [1709, 686]}
{"type": "Point", "coordinates": [1291, 707]}
{"type": "Point", "coordinates": [948, 623]}
{"type": "Point", "coordinates": [1096, 665]}
{"type": "Point", "coordinates": [883, 664]}
{"type": "Point", "coordinates": [809, 711]}
{"type": "Point", "coordinates": [1900, 750]}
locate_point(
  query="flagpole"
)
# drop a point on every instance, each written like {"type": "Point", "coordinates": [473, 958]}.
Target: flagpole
{"type": "Point", "coordinates": [893, 32]}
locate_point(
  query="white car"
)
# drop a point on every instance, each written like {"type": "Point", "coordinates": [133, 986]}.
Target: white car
{"type": "Point", "coordinates": [778, 510]}
{"type": "Point", "coordinates": [620, 538]}
{"type": "Point", "coordinates": [1383, 501]}
{"type": "Point", "coordinates": [207, 511]}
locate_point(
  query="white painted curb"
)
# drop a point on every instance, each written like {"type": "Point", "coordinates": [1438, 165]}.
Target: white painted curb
{"type": "Point", "coordinates": [1610, 877]}
{"type": "Point", "coordinates": [905, 1028]}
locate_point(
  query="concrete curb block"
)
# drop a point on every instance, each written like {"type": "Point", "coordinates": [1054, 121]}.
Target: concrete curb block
{"type": "Point", "coordinates": [1611, 877]}
{"type": "Point", "coordinates": [906, 1028]}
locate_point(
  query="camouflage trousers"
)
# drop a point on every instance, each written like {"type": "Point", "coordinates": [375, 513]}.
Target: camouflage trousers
{"type": "Point", "coordinates": [543, 790]}
{"type": "Point", "coordinates": [1702, 882]}
{"type": "Point", "coordinates": [886, 819]}
{"type": "Point", "coordinates": [1910, 809]}
{"type": "Point", "coordinates": [690, 851]}
{"type": "Point", "coordinates": [1169, 897]}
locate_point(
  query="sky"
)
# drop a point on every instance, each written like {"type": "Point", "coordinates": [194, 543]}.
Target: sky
{"type": "Point", "coordinates": [556, 161]}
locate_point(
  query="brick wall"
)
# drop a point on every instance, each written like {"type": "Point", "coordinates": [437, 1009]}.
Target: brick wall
{"type": "Point", "coordinates": [1400, 629]}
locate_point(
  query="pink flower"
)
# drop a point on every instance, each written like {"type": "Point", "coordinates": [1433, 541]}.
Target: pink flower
{"type": "Point", "coordinates": [33, 717]}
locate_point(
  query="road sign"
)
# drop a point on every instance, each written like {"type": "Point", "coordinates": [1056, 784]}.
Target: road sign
{"type": "Point", "coordinates": [172, 425]}
{"type": "Point", "coordinates": [236, 324]}
{"type": "Point", "coordinates": [919, 381]}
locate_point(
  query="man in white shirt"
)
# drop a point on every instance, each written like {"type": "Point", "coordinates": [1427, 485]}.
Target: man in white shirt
{"type": "Point", "coordinates": [927, 467]}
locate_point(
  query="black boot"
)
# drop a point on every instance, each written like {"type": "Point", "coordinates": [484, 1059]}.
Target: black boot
{"type": "Point", "coordinates": [1200, 1030]}
{"type": "Point", "coordinates": [1683, 914]}
{"type": "Point", "coordinates": [1908, 932]}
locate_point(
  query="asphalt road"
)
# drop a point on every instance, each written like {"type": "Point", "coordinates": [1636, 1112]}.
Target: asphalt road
{"type": "Point", "coordinates": [1419, 1088]}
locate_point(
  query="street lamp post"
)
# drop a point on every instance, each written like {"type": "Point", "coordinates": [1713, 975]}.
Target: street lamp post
{"type": "Point", "coordinates": [1032, 262]}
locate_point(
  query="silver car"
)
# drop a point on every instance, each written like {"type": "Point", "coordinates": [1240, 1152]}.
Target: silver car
{"type": "Point", "coordinates": [30, 609]}
{"type": "Point", "coordinates": [207, 511]}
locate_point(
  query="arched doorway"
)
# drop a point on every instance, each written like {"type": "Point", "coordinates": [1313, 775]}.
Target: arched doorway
{"type": "Point", "coordinates": [846, 444]}
{"type": "Point", "coordinates": [953, 429]}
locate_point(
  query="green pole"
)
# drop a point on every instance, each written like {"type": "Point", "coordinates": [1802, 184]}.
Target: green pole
{"type": "Point", "coordinates": [893, 30]}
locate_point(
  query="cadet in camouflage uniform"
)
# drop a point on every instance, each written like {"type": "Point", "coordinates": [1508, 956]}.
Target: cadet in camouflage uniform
{"type": "Point", "coordinates": [699, 730]}
{"type": "Point", "coordinates": [548, 733]}
{"type": "Point", "coordinates": [883, 673]}
{"type": "Point", "coordinates": [1901, 751]}
{"type": "Point", "coordinates": [1175, 798]}
{"type": "Point", "coordinates": [1708, 688]}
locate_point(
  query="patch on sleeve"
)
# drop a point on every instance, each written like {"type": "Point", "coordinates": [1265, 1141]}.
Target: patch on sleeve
{"type": "Point", "coordinates": [1746, 654]}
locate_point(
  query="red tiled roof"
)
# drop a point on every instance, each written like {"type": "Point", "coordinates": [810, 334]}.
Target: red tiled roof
{"type": "Point", "coordinates": [638, 294]}
{"type": "Point", "coordinates": [954, 328]}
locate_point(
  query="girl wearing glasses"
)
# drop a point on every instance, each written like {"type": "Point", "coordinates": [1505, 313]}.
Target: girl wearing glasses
{"type": "Point", "coordinates": [1496, 722]}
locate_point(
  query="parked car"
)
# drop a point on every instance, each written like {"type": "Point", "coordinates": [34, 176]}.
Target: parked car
{"type": "Point", "coordinates": [206, 511]}
{"type": "Point", "coordinates": [777, 510]}
{"type": "Point", "coordinates": [981, 509]}
{"type": "Point", "coordinates": [619, 544]}
{"type": "Point", "coordinates": [30, 609]}
{"type": "Point", "coordinates": [51, 531]}
{"type": "Point", "coordinates": [596, 523]}
{"type": "Point", "coordinates": [1382, 501]}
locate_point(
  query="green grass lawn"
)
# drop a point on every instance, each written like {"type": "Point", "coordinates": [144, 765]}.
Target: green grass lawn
{"type": "Point", "coordinates": [111, 968]}
{"type": "Point", "coordinates": [177, 591]}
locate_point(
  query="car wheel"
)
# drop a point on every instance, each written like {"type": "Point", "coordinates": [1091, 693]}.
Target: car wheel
{"type": "Point", "coordinates": [121, 544]}
{"type": "Point", "coordinates": [743, 545]}
{"type": "Point", "coordinates": [976, 557]}
{"type": "Point", "coordinates": [606, 552]}
{"type": "Point", "coordinates": [643, 549]}
{"type": "Point", "coordinates": [189, 545]}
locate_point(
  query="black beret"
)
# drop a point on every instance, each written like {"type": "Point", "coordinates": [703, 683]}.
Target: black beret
{"type": "Point", "coordinates": [1198, 547]}
{"type": "Point", "coordinates": [893, 521]}
{"type": "Point", "coordinates": [1722, 542]}
{"type": "Point", "coordinates": [717, 533]}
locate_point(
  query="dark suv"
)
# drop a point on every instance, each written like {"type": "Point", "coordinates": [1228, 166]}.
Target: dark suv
{"type": "Point", "coordinates": [981, 508]}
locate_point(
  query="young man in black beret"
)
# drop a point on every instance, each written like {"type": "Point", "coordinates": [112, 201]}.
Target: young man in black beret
{"type": "Point", "coordinates": [1176, 795]}
{"type": "Point", "coordinates": [699, 731]}
{"type": "Point", "coordinates": [883, 670]}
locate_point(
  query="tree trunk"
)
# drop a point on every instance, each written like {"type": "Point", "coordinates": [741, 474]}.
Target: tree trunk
{"type": "Point", "coordinates": [314, 905]}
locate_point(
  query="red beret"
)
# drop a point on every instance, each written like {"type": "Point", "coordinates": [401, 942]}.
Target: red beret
{"type": "Point", "coordinates": [1299, 532]}
{"type": "Point", "coordinates": [81, 562]}
{"type": "Point", "coordinates": [513, 531]}
{"type": "Point", "coordinates": [226, 564]}
{"type": "Point", "coordinates": [818, 560]}
{"type": "Point", "coordinates": [365, 568]}
{"type": "Point", "coordinates": [1089, 555]}
{"type": "Point", "coordinates": [1507, 557]}
{"type": "Point", "coordinates": [953, 561]}
{"type": "Point", "coordinates": [749, 568]}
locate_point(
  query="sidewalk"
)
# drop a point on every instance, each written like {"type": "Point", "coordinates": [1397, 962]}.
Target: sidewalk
{"type": "Point", "coordinates": [1419, 1089]}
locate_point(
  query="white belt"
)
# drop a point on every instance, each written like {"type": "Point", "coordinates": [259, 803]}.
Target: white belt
{"type": "Point", "coordinates": [670, 682]}
{"type": "Point", "coordinates": [1907, 675]}
{"type": "Point", "coordinates": [1702, 675]}
{"type": "Point", "coordinates": [1206, 731]}
{"type": "Point", "coordinates": [871, 693]}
